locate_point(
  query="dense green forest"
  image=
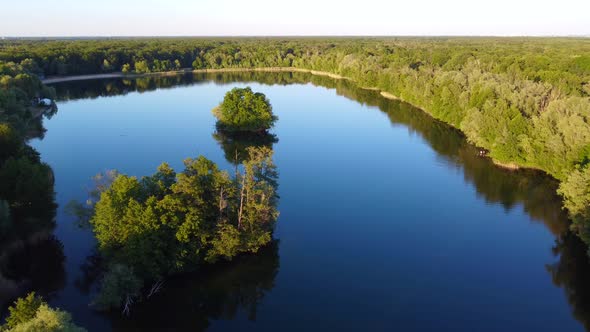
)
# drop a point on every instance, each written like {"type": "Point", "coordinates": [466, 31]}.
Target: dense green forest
{"type": "Point", "coordinates": [526, 100]}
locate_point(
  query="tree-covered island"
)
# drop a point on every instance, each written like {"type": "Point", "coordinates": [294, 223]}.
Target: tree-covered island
{"type": "Point", "coordinates": [244, 111]}
{"type": "Point", "coordinates": [170, 223]}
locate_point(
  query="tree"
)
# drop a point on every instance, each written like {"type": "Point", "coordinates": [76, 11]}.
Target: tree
{"type": "Point", "coordinates": [10, 142]}
{"type": "Point", "coordinates": [198, 63]}
{"type": "Point", "coordinates": [577, 200]}
{"type": "Point", "coordinates": [106, 66]}
{"type": "Point", "coordinates": [142, 67]}
{"type": "Point", "coordinates": [168, 223]}
{"type": "Point", "coordinates": [244, 111]}
{"type": "Point", "coordinates": [44, 318]}
{"type": "Point", "coordinates": [23, 310]}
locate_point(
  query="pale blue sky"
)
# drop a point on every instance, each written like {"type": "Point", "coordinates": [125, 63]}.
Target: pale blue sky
{"type": "Point", "coordinates": [299, 17]}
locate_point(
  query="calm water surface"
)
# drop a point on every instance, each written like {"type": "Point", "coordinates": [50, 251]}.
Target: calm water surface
{"type": "Point", "coordinates": [389, 220]}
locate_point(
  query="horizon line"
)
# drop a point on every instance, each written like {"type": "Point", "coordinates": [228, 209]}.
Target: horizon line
{"type": "Point", "coordinates": [299, 36]}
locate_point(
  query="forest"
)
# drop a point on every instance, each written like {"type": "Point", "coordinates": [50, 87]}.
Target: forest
{"type": "Point", "coordinates": [26, 184]}
{"type": "Point", "coordinates": [526, 101]}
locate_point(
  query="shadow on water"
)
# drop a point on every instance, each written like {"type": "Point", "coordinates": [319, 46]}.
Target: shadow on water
{"type": "Point", "coordinates": [188, 302]}
{"type": "Point", "coordinates": [235, 145]}
{"type": "Point", "coordinates": [31, 257]}
{"type": "Point", "coordinates": [220, 292]}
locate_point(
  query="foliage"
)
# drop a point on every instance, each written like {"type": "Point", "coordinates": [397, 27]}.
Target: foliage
{"type": "Point", "coordinates": [31, 314]}
{"type": "Point", "coordinates": [49, 320]}
{"type": "Point", "coordinates": [23, 310]}
{"type": "Point", "coordinates": [26, 184]}
{"type": "Point", "coordinates": [167, 223]}
{"type": "Point", "coordinates": [243, 110]}
{"type": "Point", "coordinates": [525, 100]}
{"type": "Point", "coordinates": [577, 200]}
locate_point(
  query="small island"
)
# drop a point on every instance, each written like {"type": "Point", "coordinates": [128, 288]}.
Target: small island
{"type": "Point", "coordinates": [244, 111]}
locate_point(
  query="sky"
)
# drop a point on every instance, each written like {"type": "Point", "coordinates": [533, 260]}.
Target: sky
{"type": "Point", "coordinates": [28, 18]}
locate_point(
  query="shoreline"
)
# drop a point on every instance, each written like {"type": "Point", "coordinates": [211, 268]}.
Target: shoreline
{"type": "Point", "coordinates": [59, 79]}
{"type": "Point", "coordinates": [510, 166]}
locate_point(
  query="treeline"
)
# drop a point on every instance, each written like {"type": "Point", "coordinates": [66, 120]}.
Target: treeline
{"type": "Point", "coordinates": [526, 100]}
{"type": "Point", "coordinates": [26, 184]}
{"type": "Point", "coordinates": [31, 258]}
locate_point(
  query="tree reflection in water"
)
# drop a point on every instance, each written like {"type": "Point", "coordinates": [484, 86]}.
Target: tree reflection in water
{"type": "Point", "coordinates": [219, 295]}
{"type": "Point", "coordinates": [220, 291]}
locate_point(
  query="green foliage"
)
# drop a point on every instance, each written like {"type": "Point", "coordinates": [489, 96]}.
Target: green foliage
{"type": "Point", "coordinates": [142, 67]}
{"type": "Point", "coordinates": [244, 111]}
{"type": "Point", "coordinates": [577, 200]}
{"type": "Point", "coordinates": [23, 310]}
{"type": "Point", "coordinates": [10, 142]}
{"type": "Point", "coordinates": [26, 184]}
{"type": "Point", "coordinates": [32, 314]}
{"type": "Point", "coordinates": [168, 223]}
{"type": "Point", "coordinates": [526, 100]}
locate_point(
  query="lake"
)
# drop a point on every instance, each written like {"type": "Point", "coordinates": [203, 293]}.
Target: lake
{"type": "Point", "coordinates": [389, 219]}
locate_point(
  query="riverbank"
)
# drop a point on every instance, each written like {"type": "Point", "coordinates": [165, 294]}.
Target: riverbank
{"type": "Point", "coordinates": [59, 79]}
{"type": "Point", "coordinates": [505, 165]}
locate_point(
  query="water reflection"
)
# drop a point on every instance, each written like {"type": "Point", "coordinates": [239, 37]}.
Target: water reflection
{"type": "Point", "coordinates": [533, 189]}
{"type": "Point", "coordinates": [235, 145]}
{"type": "Point", "coordinates": [36, 263]}
{"type": "Point", "coordinates": [224, 290]}
{"type": "Point", "coordinates": [31, 257]}
{"type": "Point", "coordinates": [572, 272]}
{"type": "Point", "coordinates": [220, 291]}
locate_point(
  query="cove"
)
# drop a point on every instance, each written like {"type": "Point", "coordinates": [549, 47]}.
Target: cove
{"type": "Point", "coordinates": [389, 218]}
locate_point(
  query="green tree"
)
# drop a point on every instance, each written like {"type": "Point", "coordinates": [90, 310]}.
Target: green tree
{"type": "Point", "coordinates": [244, 111]}
{"type": "Point", "coordinates": [23, 310]}
{"type": "Point", "coordinates": [47, 319]}
{"type": "Point", "coordinates": [142, 67]}
{"type": "Point", "coordinates": [106, 66]}
{"type": "Point", "coordinates": [168, 223]}
{"type": "Point", "coordinates": [10, 142]}
{"type": "Point", "coordinates": [576, 198]}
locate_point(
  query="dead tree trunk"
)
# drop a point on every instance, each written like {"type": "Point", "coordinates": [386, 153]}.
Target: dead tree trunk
{"type": "Point", "coordinates": [155, 288]}
{"type": "Point", "coordinates": [127, 305]}
{"type": "Point", "coordinates": [240, 211]}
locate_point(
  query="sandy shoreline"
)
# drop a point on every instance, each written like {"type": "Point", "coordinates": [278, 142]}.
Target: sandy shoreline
{"type": "Point", "coordinates": [58, 79]}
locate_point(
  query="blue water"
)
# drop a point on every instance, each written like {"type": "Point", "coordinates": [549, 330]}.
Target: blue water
{"type": "Point", "coordinates": [388, 219]}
